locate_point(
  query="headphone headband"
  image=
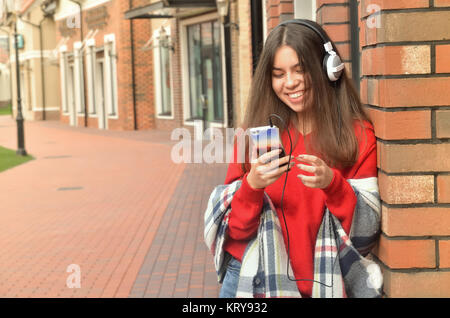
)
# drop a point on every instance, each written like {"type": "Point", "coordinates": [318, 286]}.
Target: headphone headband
{"type": "Point", "coordinates": [310, 25]}
{"type": "Point", "coordinates": [332, 63]}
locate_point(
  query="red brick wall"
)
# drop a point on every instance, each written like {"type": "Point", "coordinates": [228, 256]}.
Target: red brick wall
{"type": "Point", "coordinates": [405, 84]}
{"type": "Point", "coordinates": [143, 70]}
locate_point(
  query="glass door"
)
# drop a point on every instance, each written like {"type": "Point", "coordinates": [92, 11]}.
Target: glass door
{"type": "Point", "coordinates": [205, 71]}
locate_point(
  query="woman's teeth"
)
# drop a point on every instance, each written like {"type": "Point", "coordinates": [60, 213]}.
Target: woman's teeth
{"type": "Point", "coordinates": [296, 95]}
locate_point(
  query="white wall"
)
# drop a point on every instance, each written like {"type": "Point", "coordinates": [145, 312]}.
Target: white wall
{"type": "Point", "coordinates": [305, 9]}
{"type": "Point", "coordinates": [5, 83]}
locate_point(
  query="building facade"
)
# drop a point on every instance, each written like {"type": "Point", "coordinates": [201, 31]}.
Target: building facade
{"type": "Point", "coordinates": [189, 74]}
{"type": "Point", "coordinates": [101, 84]}
{"type": "Point", "coordinates": [36, 34]}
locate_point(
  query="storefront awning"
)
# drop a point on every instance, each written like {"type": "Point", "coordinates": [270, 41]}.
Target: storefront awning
{"type": "Point", "coordinates": [170, 9]}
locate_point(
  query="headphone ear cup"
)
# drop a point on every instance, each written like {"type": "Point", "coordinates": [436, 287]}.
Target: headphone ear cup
{"type": "Point", "coordinates": [333, 61]}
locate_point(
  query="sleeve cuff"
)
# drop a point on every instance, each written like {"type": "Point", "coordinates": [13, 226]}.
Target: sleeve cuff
{"type": "Point", "coordinates": [245, 211]}
{"type": "Point", "coordinates": [340, 197]}
{"type": "Point", "coordinates": [333, 187]}
{"type": "Point", "coordinates": [251, 194]}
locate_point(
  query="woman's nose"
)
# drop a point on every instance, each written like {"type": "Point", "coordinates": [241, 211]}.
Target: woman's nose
{"type": "Point", "coordinates": [291, 80]}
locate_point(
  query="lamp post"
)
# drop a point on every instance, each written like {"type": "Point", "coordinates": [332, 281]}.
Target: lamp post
{"type": "Point", "coordinates": [19, 119]}
{"type": "Point", "coordinates": [9, 13]}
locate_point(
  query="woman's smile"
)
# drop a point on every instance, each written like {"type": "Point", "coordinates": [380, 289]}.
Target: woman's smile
{"type": "Point", "coordinates": [297, 97]}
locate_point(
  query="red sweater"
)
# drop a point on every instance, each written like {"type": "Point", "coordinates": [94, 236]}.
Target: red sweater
{"type": "Point", "coordinates": [303, 206]}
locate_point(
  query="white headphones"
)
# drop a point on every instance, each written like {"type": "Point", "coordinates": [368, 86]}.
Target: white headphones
{"type": "Point", "coordinates": [332, 64]}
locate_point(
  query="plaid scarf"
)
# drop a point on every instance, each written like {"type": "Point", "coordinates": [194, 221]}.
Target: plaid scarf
{"type": "Point", "coordinates": [339, 260]}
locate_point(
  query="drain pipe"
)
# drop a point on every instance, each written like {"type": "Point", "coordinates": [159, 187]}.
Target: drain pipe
{"type": "Point", "coordinates": [257, 31]}
{"type": "Point", "coordinates": [354, 43]}
{"type": "Point", "coordinates": [229, 70]}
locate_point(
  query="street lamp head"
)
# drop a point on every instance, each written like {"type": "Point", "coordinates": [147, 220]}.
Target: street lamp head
{"type": "Point", "coordinates": [222, 8]}
{"type": "Point", "coordinates": [48, 7]}
{"type": "Point", "coordinates": [12, 6]}
{"type": "Point", "coordinates": [9, 9]}
{"type": "Point", "coordinates": [165, 40]}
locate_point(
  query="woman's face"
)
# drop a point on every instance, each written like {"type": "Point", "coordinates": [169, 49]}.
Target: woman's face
{"type": "Point", "coordinates": [288, 80]}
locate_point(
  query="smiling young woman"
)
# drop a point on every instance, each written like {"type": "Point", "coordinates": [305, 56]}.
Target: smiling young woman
{"type": "Point", "coordinates": [334, 142]}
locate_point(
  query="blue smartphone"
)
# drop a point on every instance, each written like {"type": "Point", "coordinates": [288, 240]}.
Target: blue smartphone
{"type": "Point", "coordinates": [266, 139]}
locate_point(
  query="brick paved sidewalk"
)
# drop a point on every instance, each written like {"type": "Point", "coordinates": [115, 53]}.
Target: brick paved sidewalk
{"type": "Point", "coordinates": [112, 203]}
{"type": "Point", "coordinates": [178, 263]}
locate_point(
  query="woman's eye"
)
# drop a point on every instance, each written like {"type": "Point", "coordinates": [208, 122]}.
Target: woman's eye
{"type": "Point", "coordinates": [277, 75]}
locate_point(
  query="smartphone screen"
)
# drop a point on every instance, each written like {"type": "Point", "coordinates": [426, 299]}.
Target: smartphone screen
{"type": "Point", "coordinates": [266, 139]}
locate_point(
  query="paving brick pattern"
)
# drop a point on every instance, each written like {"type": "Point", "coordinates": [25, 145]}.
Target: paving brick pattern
{"type": "Point", "coordinates": [112, 203]}
{"type": "Point", "coordinates": [178, 263]}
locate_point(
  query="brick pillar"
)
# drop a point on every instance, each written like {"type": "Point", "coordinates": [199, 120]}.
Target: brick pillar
{"type": "Point", "coordinates": [334, 16]}
{"type": "Point", "coordinates": [124, 69]}
{"type": "Point", "coordinates": [143, 68]}
{"type": "Point", "coordinates": [143, 65]}
{"type": "Point", "coordinates": [405, 85]}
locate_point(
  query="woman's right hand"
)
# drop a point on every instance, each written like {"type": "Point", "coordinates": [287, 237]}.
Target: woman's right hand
{"type": "Point", "coordinates": [264, 170]}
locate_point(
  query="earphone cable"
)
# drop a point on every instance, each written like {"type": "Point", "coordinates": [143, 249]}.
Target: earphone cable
{"type": "Point", "coordinates": [284, 217]}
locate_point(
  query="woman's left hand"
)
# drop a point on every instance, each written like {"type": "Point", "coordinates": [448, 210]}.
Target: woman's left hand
{"type": "Point", "coordinates": [323, 175]}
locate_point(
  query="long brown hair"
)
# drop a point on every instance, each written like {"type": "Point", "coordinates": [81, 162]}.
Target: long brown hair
{"type": "Point", "coordinates": [331, 108]}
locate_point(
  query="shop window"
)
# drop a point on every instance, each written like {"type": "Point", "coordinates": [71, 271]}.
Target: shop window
{"type": "Point", "coordinates": [205, 71]}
